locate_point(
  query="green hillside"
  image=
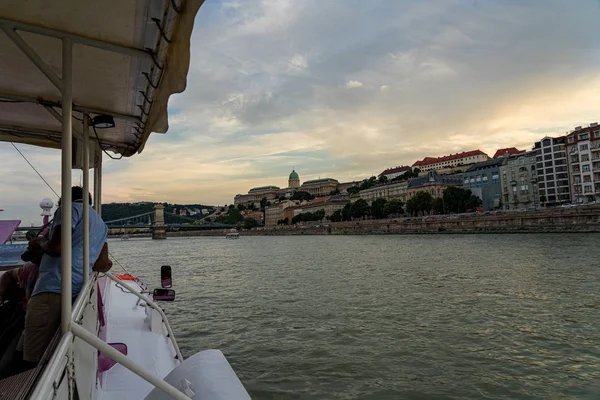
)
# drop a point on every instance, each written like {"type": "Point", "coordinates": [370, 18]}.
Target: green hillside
{"type": "Point", "coordinates": [112, 211]}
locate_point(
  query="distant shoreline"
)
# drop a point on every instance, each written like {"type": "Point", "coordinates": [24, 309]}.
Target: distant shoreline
{"type": "Point", "coordinates": [581, 219]}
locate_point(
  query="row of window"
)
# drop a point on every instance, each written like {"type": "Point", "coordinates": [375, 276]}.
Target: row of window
{"type": "Point", "coordinates": [583, 136]}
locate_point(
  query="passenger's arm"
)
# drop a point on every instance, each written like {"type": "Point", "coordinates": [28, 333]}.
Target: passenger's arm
{"type": "Point", "coordinates": [103, 263]}
{"type": "Point", "coordinates": [52, 247]}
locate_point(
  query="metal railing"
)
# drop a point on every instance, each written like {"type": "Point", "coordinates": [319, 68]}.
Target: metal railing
{"type": "Point", "coordinates": [53, 372]}
{"type": "Point", "coordinates": [152, 305]}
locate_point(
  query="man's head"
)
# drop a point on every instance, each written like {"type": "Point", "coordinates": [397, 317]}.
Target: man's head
{"type": "Point", "coordinates": [30, 235]}
{"type": "Point", "coordinates": [77, 194]}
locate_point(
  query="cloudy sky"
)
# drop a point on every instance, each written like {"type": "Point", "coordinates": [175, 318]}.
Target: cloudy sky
{"type": "Point", "coordinates": [344, 89]}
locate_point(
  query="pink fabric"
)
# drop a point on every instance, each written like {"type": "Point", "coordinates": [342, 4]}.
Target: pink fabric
{"type": "Point", "coordinates": [7, 228]}
{"type": "Point", "coordinates": [27, 276]}
{"type": "Point", "coordinates": [104, 362]}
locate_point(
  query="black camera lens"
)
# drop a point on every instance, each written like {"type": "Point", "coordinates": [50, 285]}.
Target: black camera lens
{"type": "Point", "coordinates": [27, 256]}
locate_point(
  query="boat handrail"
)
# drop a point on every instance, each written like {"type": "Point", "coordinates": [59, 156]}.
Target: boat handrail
{"type": "Point", "coordinates": [59, 361]}
{"type": "Point", "coordinates": [152, 305]}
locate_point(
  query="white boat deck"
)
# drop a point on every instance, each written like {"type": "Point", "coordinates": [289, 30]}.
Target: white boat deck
{"type": "Point", "coordinates": [126, 323]}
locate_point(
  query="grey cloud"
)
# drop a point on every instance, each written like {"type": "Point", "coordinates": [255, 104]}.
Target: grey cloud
{"type": "Point", "coordinates": [459, 74]}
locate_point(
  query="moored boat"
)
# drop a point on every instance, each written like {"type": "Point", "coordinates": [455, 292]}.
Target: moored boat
{"type": "Point", "coordinates": [233, 234]}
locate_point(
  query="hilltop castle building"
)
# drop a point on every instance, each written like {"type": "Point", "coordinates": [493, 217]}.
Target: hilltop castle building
{"type": "Point", "coordinates": [316, 187]}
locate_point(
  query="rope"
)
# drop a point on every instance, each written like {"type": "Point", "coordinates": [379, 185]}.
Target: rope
{"type": "Point", "coordinates": [36, 171]}
{"type": "Point", "coordinates": [117, 261]}
{"type": "Point", "coordinates": [46, 182]}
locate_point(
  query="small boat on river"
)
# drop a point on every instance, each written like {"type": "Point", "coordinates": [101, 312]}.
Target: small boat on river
{"type": "Point", "coordinates": [233, 234]}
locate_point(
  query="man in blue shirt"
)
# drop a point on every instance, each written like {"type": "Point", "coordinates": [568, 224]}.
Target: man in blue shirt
{"type": "Point", "coordinates": [43, 309]}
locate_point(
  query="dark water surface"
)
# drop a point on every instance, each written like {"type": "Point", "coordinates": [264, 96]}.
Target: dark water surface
{"type": "Point", "coordinates": [389, 317]}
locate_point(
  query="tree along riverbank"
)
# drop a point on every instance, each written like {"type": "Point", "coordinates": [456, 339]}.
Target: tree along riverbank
{"type": "Point", "coordinates": [558, 220]}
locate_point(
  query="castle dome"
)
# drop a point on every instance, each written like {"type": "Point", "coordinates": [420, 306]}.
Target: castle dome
{"type": "Point", "coordinates": [294, 175]}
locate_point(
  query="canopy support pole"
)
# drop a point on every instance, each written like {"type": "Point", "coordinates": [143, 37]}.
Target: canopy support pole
{"type": "Point", "coordinates": [98, 182]}
{"type": "Point", "coordinates": [66, 199]}
{"type": "Point", "coordinates": [86, 205]}
{"type": "Point", "coordinates": [66, 255]}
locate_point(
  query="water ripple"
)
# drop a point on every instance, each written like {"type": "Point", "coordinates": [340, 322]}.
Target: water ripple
{"type": "Point", "coordinates": [389, 317]}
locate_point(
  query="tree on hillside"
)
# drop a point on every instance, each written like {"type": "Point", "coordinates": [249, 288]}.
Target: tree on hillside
{"type": "Point", "coordinates": [234, 216]}
{"type": "Point", "coordinates": [302, 196]}
{"type": "Point", "coordinates": [360, 208]}
{"type": "Point", "coordinates": [346, 212]}
{"type": "Point", "coordinates": [336, 216]}
{"type": "Point", "coordinates": [377, 208]}
{"type": "Point", "coordinates": [319, 215]}
{"type": "Point", "coordinates": [474, 202]}
{"type": "Point", "coordinates": [353, 190]}
{"type": "Point", "coordinates": [250, 223]}
{"type": "Point", "coordinates": [383, 180]}
{"type": "Point", "coordinates": [459, 200]}
{"type": "Point", "coordinates": [263, 203]}
{"type": "Point", "coordinates": [393, 207]}
{"type": "Point", "coordinates": [241, 207]}
{"type": "Point", "coordinates": [421, 202]}
{"type": "Point", "coordinates": [367, 183]}
{"type": "Point", "coordinates": [437, 206]}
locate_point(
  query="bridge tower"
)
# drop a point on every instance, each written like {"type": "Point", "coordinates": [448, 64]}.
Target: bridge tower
{"type": "Point", "coordinates": [159, 230]}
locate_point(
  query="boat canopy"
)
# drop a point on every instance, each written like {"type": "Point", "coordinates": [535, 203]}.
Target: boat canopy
{"type": "Point", "coordinates": [129, 57]}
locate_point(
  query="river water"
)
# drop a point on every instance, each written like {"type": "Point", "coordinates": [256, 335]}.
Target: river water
{"type": "Point", "coordinates": [388, 317]}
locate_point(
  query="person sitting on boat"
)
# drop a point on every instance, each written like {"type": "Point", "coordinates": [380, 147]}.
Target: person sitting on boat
{"type": "Point", "coordinates": [23, 277]}
{"type": "Point", "coordinates": [42, 318]}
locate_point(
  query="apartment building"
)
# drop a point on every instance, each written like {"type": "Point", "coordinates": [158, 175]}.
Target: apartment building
{"type": "Point", "coordinates": [552, 170]}
{"type": "Point", "coordinates": [583, 157]}
{"type": "Point", "coordinates": [518, 179]}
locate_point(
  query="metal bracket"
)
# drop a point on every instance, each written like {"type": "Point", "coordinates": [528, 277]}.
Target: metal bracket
{"type": "Point", "coordinates": [33, 56]}
{"type": "Point", "coordinates": [82, 40]}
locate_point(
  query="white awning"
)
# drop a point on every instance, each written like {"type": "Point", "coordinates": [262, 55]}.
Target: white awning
{"type": "Point", "coordinates": [129, 56]}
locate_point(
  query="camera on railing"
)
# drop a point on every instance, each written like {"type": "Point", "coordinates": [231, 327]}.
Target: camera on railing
{"type": "Point", "coordinates": [166, 281]}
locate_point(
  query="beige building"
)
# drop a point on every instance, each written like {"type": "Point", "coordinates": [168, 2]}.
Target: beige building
{"type": "Point", "coordinates": [329, 204]}
{"type": "Point", "coordinates": [433, 183]}
{"type": "Point", "coordinates": [391, 173]}
{"type": "Point", "coordinates": [275, 212]}
{"type": "Point", "coordinates": [518, 181]}
{"type": "Point", "coordinates": [256, 215]}
{"type": "Point", "coordinates": [452, 160]}
{"type": "Point", "coordinates": [320, 187]}
{"type": "Point", "coordinates": [316, 187]}
{"type": "Point", "coordinates": [255, 195]}
{"type": "Point", "coordinates": [583, 155]}
{"type": "Point", "coordinates": [344, 186]}
{"type": "Point", "coordinates": [397, 190]}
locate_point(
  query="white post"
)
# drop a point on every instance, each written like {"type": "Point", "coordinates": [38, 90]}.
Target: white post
{"type": "Point", "coordinates": [98, 183]}
{"type": "Point", "coordinates": [86, 206]}
{"type": "Point", "coordinates": [66, 200]}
